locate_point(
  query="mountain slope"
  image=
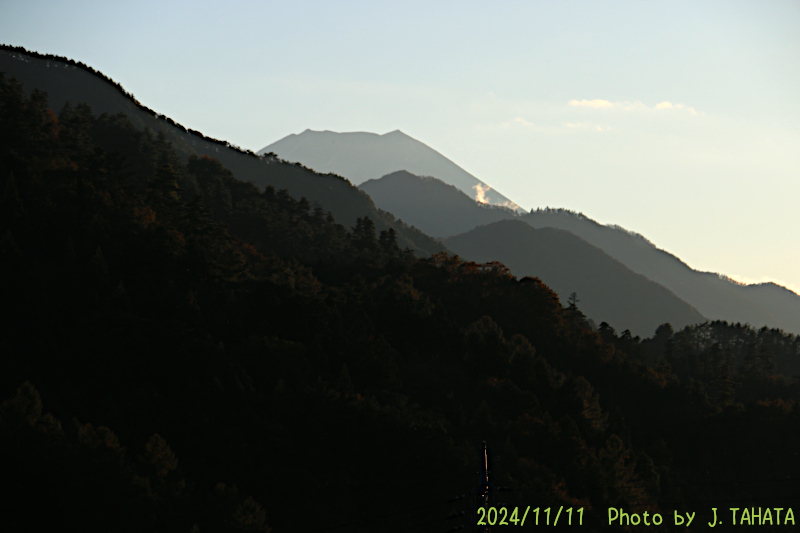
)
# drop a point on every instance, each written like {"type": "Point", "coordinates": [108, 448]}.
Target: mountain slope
{"type": "Point", "coordinates": [608, 291]}
{"type": "Point", "coordinates": [360, 156]}
{"type": "Point", "coordinates": [127, 302]}
{"type": "Point", "coordinates": [160, 374]}
{"type": "Point", "coordinates": [431, 205]}
{"type": "Point", "coordinates": [712, 295]}
{"type": "Point", "coordinates": [67, 81]}
{"type": "Point", "coordinates": [443, 211]}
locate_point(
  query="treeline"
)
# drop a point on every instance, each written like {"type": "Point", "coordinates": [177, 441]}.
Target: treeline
{"type": "Point", "coordinates": [107, 258]}
{"type": "Point", "coordinates": [724, 364]}
{"type": "Point", "coordinates": [24, 55]}
{"type": "Point", "coordinates": [187, 352]}
{"type": "Point", "coordinates": [580, 216]}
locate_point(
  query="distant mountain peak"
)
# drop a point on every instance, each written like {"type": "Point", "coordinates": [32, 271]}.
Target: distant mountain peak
{"type": "Point", "coordinates": [362, 156]}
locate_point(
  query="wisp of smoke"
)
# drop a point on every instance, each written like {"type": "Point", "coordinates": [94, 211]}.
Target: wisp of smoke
{"type": "Point", "coordinates": [480, 193]}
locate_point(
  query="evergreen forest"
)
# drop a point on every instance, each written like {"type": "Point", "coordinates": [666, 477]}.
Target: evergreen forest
{"type": "Point", "coordinates": [185, 351]}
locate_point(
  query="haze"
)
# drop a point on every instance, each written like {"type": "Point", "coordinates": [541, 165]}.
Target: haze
{"type": "Point", "coordinates": [677, 120]}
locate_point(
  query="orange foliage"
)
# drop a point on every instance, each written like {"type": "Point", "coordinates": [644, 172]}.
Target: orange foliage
{"type": "Point", "coordinates": [657, 377]}
{"type": "Point", "coordinates": [496, 382]}
{"type": "Point", "coordinates": [779, 405]}
{"type": "Point", "coordinates": [144, 215]}
{"type": "Point", "coordinates": [250, 250]}
{"type": "Point", "coordinates": [55, 126]}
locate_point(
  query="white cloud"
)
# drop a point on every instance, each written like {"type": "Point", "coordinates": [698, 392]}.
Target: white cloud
{"type": "Point", "coordinates": [631, 106]}
{"type": "Point", "coordinates": [591, 103]}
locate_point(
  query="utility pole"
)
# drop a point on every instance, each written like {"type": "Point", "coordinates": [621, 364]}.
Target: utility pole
{"type": "Point", "coordinates": [483, 494]}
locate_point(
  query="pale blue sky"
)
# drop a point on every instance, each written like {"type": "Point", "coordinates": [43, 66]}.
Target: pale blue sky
{"type": "Point", "coordinates": [678, 120]}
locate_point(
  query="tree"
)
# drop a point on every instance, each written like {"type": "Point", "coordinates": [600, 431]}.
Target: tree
{"type": "Point", "coordinates": [725, 385]}
{"type": "Point", "coordinates": [486, 347]}
{"type": "Point", "coordinates": [159, 455]}
{"type": "Point", "coordinates": [587, 402]}
{"type": "Point", "coordinates": [663, 335]}
{"type": "Point", "coordinates": [364, 235]}
{"type": "Point", "coordinates": [607, 333]}
{"type": "Point", "coordinates": [163, 188]}
{"type": "Point", "coordinates": [573, 301]}
{"type": "Point", "coordinates": [388, 243]}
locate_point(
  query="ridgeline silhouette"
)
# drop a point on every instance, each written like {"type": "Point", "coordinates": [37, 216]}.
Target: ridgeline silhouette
{"type": "Point", "coordinates": [185, 351]}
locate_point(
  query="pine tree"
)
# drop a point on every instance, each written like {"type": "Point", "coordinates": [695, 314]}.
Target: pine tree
{"type": "Point", "coordinates": [364, 235]}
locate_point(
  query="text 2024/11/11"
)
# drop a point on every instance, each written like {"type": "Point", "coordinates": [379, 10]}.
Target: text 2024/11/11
{"type": "Point", "coordinates": [504, 516]}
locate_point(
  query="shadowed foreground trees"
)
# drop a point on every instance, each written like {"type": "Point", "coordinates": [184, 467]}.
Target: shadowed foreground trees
{"type": "Point", "coordinates": [187, 352]}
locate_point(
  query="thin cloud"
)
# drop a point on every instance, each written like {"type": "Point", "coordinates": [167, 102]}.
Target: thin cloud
{"type": "Point", "coordinates": [670, 105]}
{"type": "Point", "coordinates": [517, 122]}
{"type": "Point", "coordinates": [591, 103]}
{"type": "Point", "coordinates": [585, 126]}
{"type": "Point", "coordinates": [631, 106]}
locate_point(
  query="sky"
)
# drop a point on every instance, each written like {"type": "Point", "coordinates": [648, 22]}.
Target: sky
{"type": "Point", "coordinates": [679, 120]}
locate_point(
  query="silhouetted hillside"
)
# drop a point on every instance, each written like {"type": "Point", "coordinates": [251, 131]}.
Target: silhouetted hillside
{"type": "Point", "coordinates": [184, 351]}
{"type": "Point", "coordinates": [714, 296]}
{"type": "Point", "coordinates": [607, 290]}
{"type": "Point", "coordinates": [361, 156]}
{"type": "Point", "coordinates": [161, 374]}
{"type": "Point", "coordinates": [431, 205]}
{"type": "Point", "coordinates": [67, 81]}
{"type": "Point", "coordinates": [442, 212]}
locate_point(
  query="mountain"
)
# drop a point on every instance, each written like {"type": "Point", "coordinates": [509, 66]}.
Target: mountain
{"type": "Point", "coordinates": [431, 205]}
{"type": "Point", "coordinates": [360, 156]}
{"type": "Point", "coordinates": [174, 359]}
{"type": "Point", "coordinates": [66, 81]}
{"type": "Point", "coordinates": [715, 296]}
{"type": "Point", "coordinates": [157, 368]}
{"type": "Point", "coordinates": [607, 290]}
{"type": "Point", "coordinates": [442, 211]}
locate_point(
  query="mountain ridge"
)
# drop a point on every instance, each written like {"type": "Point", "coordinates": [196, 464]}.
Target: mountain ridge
{"type": "Point", "coordinates": [441, 211]}
{"type": "Point", "coordinates": [65, 80]}
{"type": "Point", "coordinates": [608, 290]}
{"type": "Point", "coordinates": [168, 367]}
{"type": "Point", "coordinates": [438, 208]}
{"type": "Point", "coordinates": [360, 156]}
{"type": "Point", "coordinates": [713, 294]}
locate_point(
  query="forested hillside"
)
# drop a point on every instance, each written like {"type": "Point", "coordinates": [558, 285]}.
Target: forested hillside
{"type": "Point", "coordinates": [610, 292]}
{"type": "Point", "coordinates": [443, 211]}
{"type": "Point", "coordinates": [68, 81]}
{"type": "Point", "coordinates": [713, 295]}
{"type": "Point", "coordinates": [432, 205]}
{"type": "Point", "coordinates": [183, 351]}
